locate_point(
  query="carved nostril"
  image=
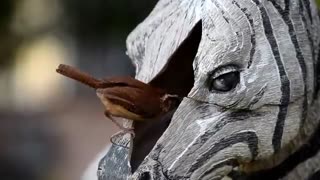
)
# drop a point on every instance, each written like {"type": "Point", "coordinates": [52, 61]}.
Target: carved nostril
{"type": "Point", "coordinates": [145, 176]}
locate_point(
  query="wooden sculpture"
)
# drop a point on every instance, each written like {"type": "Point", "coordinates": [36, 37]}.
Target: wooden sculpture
{"type": "Point", "coordinates": [252, 110]}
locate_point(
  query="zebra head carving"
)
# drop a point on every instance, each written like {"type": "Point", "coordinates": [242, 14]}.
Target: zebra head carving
{"type": "Point", "coordinates": [253, 100]}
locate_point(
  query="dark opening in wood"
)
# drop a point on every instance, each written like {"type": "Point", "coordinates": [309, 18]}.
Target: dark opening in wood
{"type": "Point", "coordinates": [177, 77]}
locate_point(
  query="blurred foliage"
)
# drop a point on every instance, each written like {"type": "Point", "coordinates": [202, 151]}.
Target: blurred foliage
{"type": "Point", "coordinates": [5, 12]}
{"type": "Point", "coordinates": [95, 20]}
{"type": "Point", "coordinates": [98, 18]}
{"type": "Point", "coordinates": [6, 39]}
{"type": "Point", "coordinates": [35, 36]}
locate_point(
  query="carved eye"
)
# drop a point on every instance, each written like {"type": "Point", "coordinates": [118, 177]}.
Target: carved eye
{"type": "Point", "coordinates": [224, 80]}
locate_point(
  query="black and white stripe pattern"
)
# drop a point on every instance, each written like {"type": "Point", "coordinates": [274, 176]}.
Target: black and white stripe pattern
{"type": "Point", "coordinates": [265, 128]}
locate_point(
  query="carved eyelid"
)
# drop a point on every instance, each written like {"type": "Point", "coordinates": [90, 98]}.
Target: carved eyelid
{"type": "Point", "coordinates": [223, 70]}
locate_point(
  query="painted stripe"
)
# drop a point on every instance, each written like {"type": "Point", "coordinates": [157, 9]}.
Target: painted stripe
{"type": "Point", "coordinates": [307, 151]}
{"type": "Point", "coordinates": [222, 12]}
{"type": "Point", "coordinates": [233, 117]}
{"type": "Point", "coordinates": [286, 18]}
{"type": "Point", "coordinates": [317, 75]}
{"type": "Point", "coordinates": [304, 20]}
{"type": "Point", "coordinates": [253, 32]}
{"type": "Point", "coordinates": [209, 172]}
{"type": "Point", "coordinates": [307, 5]}
{"type": "Point", "coordinates": [249, 137]}
{"type": "Point", "coordinates": [285, 83]}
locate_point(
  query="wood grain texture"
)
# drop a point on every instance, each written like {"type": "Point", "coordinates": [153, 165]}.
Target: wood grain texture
{"type": "Point", "coordinates": [115, 164]}
{"type": "Point", "coordinates": [270, 114]}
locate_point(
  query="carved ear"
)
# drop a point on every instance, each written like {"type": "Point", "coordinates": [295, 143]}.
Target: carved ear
{"type": "Point", "coordinates": [177, 77]}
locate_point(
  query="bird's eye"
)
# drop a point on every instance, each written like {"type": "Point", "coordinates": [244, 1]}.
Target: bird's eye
{"type": "Point", "coordinates": [224, 82]}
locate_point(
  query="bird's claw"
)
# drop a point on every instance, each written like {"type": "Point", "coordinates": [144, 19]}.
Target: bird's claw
{"type": "Point", "coordinates": [122, 133]}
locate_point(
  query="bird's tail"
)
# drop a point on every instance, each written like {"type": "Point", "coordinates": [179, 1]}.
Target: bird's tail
{"type": "Point", "coordinates": [77, 75]}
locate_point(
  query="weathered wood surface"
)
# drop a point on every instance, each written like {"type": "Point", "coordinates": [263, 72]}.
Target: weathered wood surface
{"type": "Point", "coordinates": [115, 164]}
{"type": "Point", "coordinates": [269, 115]}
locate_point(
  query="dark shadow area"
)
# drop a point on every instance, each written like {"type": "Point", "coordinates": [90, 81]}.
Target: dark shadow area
{"type": "Point", "coordinates": [177, 77]}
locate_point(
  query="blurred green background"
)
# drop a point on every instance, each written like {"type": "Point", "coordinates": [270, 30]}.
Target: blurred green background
{"type": "Point", "coordinates": [52, 127]}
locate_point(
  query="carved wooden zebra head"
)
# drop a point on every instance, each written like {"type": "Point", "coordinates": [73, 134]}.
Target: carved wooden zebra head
{"type": "Point", "coordinates": [253, 100]}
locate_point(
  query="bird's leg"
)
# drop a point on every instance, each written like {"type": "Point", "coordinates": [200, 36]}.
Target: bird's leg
{"type": "Point", "coordinates": [118, 124]}
{"type": "Point", "coordinates": [123, 131]}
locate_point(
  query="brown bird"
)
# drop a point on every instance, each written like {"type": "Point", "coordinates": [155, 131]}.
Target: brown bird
{"type": "Point", "coordinates": [125, 97]}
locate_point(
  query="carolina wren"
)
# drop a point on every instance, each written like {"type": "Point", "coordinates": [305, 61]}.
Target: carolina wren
{"type": "Point", "coordinates": [125, 97]}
